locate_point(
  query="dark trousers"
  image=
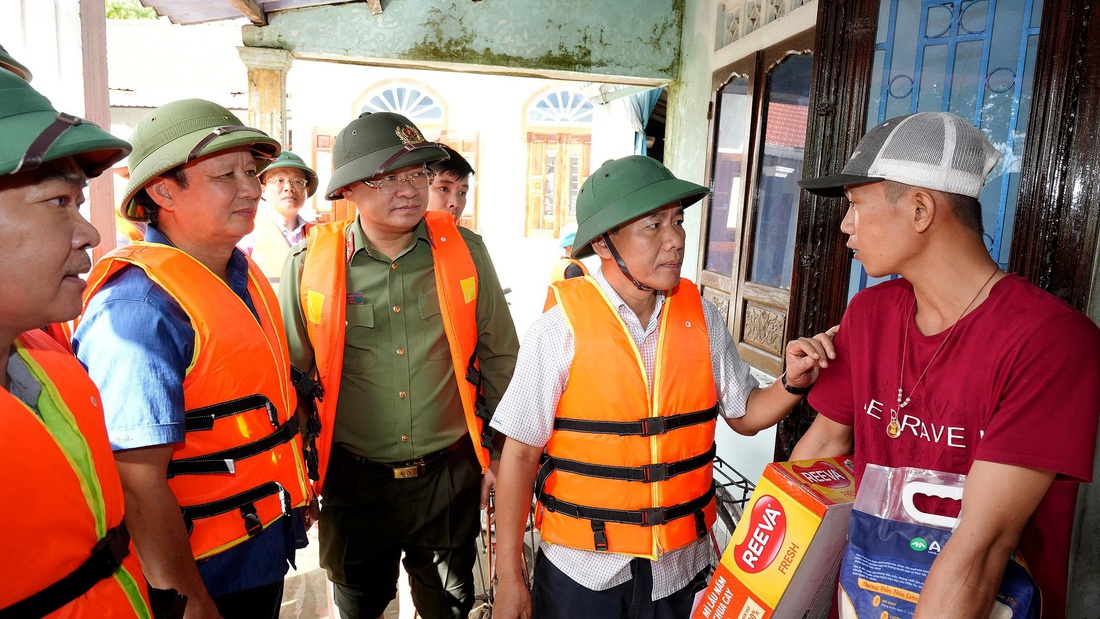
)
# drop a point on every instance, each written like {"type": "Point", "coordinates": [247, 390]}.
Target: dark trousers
{"type": "Point", "coordinates": [557, 596]}
{"type": "Point", "coordinates": [255, 603]}
{"type": "Point", "coordinates": [369, 520]}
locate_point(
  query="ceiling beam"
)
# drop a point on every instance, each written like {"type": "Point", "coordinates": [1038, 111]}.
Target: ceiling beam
{"type": "Point", "coordinates": [251, 10]}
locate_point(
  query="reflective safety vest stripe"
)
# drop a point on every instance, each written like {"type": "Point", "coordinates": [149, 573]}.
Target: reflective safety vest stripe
{"type": "Point", "coordinates": [323, 293]}
{"type": "Point", "coordinates": [240, 467]}
{"type": "Point", "coordinates": [629, 465]}
{"type": "Point", "coordinates": [62, 475]}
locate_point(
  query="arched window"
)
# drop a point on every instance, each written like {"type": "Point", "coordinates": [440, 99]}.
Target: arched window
{"type": "Point", "coordinates": [560, 107]}
{"type": "Point", "coordinates": [405, 99]}
{"type": "Point", "coordinates": [559, 146]}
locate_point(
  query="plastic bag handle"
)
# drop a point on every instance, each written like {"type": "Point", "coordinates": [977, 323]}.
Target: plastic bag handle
{"type": "Point", "coordinates": [914, 488]}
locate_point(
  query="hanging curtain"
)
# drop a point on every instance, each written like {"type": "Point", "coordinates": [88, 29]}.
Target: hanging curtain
{"type": "Point", "coordinates": [640, 108]}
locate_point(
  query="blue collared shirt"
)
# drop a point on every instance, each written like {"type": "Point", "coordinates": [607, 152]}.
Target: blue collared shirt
{"type": "Point", "coordinates": [136, 343]}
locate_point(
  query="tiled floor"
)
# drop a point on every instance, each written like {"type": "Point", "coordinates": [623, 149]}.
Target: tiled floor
{"type": "Point", "coordinates": [307, 595]}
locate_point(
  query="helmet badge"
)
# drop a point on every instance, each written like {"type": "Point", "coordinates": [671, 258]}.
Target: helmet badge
{"type": "Point", "coordinates": [409, 135]}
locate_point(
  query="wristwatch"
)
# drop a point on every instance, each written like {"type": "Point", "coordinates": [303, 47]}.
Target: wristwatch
{"type": "Point", "coordinates": [792, 389]}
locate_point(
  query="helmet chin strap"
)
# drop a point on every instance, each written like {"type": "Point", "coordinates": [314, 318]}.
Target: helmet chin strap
{"type": "Point", "coordinates": [622, 265]}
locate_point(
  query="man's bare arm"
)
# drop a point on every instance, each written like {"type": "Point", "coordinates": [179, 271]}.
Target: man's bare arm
{"type": "Point", "coordinates": [156, 523]}
{"type": "Point", "coordinates": [824, 439]}
{"type": "Point", "coordinates": [998, 500]}
{"type": "Point", "coordinates": [515, 489]}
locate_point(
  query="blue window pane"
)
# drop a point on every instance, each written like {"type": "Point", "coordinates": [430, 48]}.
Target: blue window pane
{"type": "Point", "coordinates": [786, 105]}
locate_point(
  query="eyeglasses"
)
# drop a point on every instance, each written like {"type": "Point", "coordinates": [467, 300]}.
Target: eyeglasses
{"type": "Point", "coordinates": [388, 185]}
{"type": "Point", "coordinates": [296, 183]}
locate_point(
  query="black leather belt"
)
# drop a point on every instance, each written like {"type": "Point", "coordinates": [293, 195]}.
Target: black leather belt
{"type": "Point", "coordinates": [408, 469]}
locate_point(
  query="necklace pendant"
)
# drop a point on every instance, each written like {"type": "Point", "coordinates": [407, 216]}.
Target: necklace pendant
{"type": "Point", "coordinates": [893, 429]}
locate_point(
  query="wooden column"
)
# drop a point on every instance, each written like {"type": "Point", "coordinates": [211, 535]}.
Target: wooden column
{"type": "Point", "coordinates": [843, 48]}
{"type": "Point", "coordinates": [97, 108]}
{"type": "Point", "coordinates": [267, 70]}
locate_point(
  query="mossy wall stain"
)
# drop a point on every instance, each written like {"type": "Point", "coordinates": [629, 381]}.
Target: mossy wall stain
{"type": "Point", "coordinates": [607, 37]}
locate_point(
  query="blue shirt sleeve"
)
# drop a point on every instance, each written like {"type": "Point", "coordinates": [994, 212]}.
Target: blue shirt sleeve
{"type": "Point", "coordinates": [136, 343]}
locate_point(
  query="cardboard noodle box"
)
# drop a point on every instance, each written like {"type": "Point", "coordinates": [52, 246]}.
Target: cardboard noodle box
{"type": "Point", "coordinates": [782, 559]}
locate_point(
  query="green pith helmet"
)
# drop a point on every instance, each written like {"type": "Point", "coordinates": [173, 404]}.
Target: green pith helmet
{"type": "Point", "coordinates": [377, 143]}
{"type": "Point", "coordinates": [34, 132]}
{"type": "Point", "coordinates": [288, 159]}
{"type": "Point", "coordinates": [623, 190]}
{"type": "Point", "coordinates": [182, 131]}
{"type": "Point", "coordinates": [13, 65]}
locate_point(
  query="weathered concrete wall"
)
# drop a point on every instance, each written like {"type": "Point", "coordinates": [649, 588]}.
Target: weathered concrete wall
{"type": "Point", "coordinates": [552, 37]}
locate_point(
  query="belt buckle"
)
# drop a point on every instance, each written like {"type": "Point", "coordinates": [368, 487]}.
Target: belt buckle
{"type": "Point", "coordinates": [408, 472]}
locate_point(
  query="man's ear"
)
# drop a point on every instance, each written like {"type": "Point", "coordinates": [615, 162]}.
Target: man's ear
{"type": "Point", "coordinates": [162, 192]}
{"type": "Point", "coordinates": [924, 207]}
{"type": "Point", "coordinates": [599, 245]}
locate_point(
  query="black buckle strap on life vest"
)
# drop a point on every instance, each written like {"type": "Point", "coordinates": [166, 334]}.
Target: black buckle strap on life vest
{"type": "Point", "coordinates": [243, 502]}
{"type": "Point", "coordinates": [599, 536]}
{"type": "Point", "coordinates": [701, 528]}
{"type": "Point", "coordinates": [225, 461]}
{"type": "Point", "coordinates": [305, 385]}
{"type": "Point", "coordinates": [647, 473]}
{"type": "Point", "coordinates": [546, 466]}
{"type": "Point", "coordinates": [202, 419]}
{"type": "Point", "coordinates": [649, 517]}
{"type": "Point", "coordinates": [647, 426]}
{"type": "Point", "coordinates": [481, 409]}
{"type": "Point", "coordinates": [106, 558]}
{"type": "Point", "coordinates": [252, 522]}
{"type": "Point", "coordinates": [167, 603]}
{"type": "Point", "coordinates": [473, 375]}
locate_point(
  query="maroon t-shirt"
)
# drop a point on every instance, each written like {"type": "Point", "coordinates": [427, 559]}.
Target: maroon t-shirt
{"type": "Point", "coordinates": [1016, 383]}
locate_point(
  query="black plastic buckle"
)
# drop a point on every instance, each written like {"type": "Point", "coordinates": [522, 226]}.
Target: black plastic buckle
{"type": "Point", "coordinates": [599, 536]}
{"type": "Point", "coordinates": [652, 426]}
{"type": "Point", "coordinates": [653, 516]}
{"type": "Point", "coordinates": [272, 414]}
{"type": "Point", "coordinates": [312, 463]}
{"type": "Point", "coordinates": [654, 472]}
{"type": "Point", "coordinates": [473, 375]}
{"type": "Point", "coordinates": [252, 523]}
{"type": "Point", "coordinates": [305, 385]}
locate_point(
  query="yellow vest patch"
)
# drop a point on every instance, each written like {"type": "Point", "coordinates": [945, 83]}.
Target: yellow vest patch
{"type": "Point", "coordinates": [315, 302]}
{"type": "Point", "coordinates": [469, 289]}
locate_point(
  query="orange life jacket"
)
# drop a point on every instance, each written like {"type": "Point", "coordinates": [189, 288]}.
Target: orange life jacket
{"type": "Point", "coordinates": [62, 333]}
{"type": "Point", "coordinates": [67, 497]}
{"type": "Point", "coordinates": [564, 268]}
{"type": "Point", "coordinates": [625, 471]}
{"type": "Point", "coordinates": [323, 294]}
{"type": "Point", "coordinates": [240, 466]}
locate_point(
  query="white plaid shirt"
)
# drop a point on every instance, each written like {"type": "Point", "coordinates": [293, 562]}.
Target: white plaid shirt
{"type": "Point", "coordinates": [526, 414]}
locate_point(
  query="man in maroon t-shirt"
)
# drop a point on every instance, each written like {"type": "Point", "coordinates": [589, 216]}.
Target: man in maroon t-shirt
{"type": "Point", "coordinates": [958, 367]}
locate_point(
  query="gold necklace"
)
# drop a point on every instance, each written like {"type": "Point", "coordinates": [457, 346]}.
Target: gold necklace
{"type": "Point", "coordinates": [893, 429]}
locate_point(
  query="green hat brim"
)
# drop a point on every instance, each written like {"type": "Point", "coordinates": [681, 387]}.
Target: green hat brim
{"type": "Point", "coordinates": [13, 65]}
{"type": "Point", "coordinates": [175, 153]}
{"type": "Point", "coordinates": [94, 148]}
{"type": "Point", "coordinates": [311, 176]}
{"type": "Point", "coordinates": [362, 168]}
{"type": "Point", "coordinates": [631, 206]}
